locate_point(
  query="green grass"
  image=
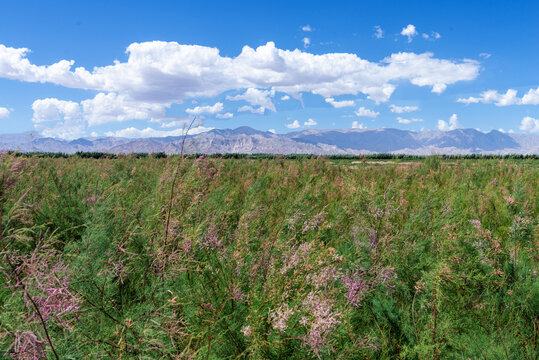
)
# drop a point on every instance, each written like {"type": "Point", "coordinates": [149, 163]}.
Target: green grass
{"type": "Point", "coordinates": [272, 258]}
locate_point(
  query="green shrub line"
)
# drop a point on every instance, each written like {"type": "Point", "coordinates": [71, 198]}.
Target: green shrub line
{"type": "Point", "coordinates": [378, 156]}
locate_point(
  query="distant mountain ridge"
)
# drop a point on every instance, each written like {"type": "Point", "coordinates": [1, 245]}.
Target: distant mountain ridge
{"type": "Point", "coordinates": [248, 140]}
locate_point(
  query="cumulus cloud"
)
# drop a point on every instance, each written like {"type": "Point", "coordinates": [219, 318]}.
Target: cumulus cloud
{"type": "Point", "coordinates": [258, 110]}
{"type": "Point", "coordinates": [293, 125]}
{"type": "Point", "coordinates": [453, 124]}
{"type": "Point", "coordinates": [340, 104]}
{"type": "Point", "coordinates": [408, 121]}
{"type": "Point", "coordinates": [227, 115]}
{"type": "Point", "coordinates": [529, 124]}
{"type": "Point", "coordinates": [111, 107]}
{"type": "Point", "coordinates": [402, 109]}
{"type": "Point", "coordinates": [306, 42]}
{"type": "Point", "coordinates": [158, 74]}
{"type": "Point", "coordinates": [357, 125]}
{"type": "Point", "coordinates": [306, 28]}
{"type": "Point", "coordinates": [271, 131]}
{"type": "Point", "coordinates": [363, 112]}
{"type": "Point", "coordinates": [132, 132]}
{"type": "Point", "coordinates": [69, 120]}
{"type": "Point", "coordinates": [409, 31]}
{"type": "Point", "coordinates": [423, 70]}
{"type": "Point", "coordinates": [209, 109]}
{"type": "Point", "coordinates": [285, 97]}
{"type": "Point", "coordinates": [378, 32]}
{"type": "Point", "coordinates": [509, 98]}
{"type": "Point", "coordinates": [310, 122]}
{"type": "Point", "coordinates": [168, 72]}
{"type": "Point", "coordinates": [531, 98]}
{"type": "Point", "coordinates": [4, 113]}
{"type": "Point", "coordinates": [485, 55]}
{"type": "Point", "coordinates": [58, 118]}
{"type": "Point", "coordinates": [256, 97]}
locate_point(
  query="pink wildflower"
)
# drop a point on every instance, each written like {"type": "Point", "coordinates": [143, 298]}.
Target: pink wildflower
{"type": "Point", "coordinates": [47, 281]}
{"type": "Point", "coordinates": [236, 294]}
{"type": "Point", "coordinates": [90, 199]}
{"type": "Point", "coordinates": [388, 278]}
{"type": "Point", "coordinates": [246, 331]}
{"type": "Point", "coordinates": [476, 223]}
{"type": "Point", "coordinates": [324, 319]}
{"type": "Point", "coordinates": [210, 242]}
{"type": "Point", "coordinates": [280, 316]}
{"type": "Point", "coordinates": [313, 223]}
{"type": "Point", "coordinates": [26, 346]}
{"type": "Point", "coordinates": [357, 286]}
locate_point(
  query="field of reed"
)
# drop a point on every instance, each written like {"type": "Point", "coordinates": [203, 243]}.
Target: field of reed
{"type": "Point", "coordinates": [211, 258]}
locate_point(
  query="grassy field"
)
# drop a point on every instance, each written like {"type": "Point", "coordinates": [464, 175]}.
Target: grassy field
{"type": "Point", "coordinates": [208, 258]}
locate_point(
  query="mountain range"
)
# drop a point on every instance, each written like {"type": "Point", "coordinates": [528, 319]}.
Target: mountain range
{"type": "Point", "coordinates": [248, 140]}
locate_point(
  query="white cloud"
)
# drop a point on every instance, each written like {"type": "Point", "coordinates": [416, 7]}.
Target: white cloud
{"type": "Point", "coordinates": [510, 131]}
{"type": "Point", "coordinates": [340, 104]}
{"type": "Point", "coordinates": [104, 108]}
{"type": "Point", "coordinates": [4, 113]}
{"type": "Point", "coordinates": [531, 98]}
{"type": "Point", "coordinates": [57, 118]}
{"type": "Point", "coordinates": [258, 110]}
{"type": "Point", "coordinates": [423, 70]}
{"type": "Point", "coordinates": [256, 97]}
{"type": "Point", "coordinates": [453, 124]}
{"type": "Point", "coordinates": [294, 125]}
{"type": "Point", "coordinates": [529, 124]}
{"type": "Point", "coordinates": [408, 121]}
{"type": "Point", "coordinates": [492, 96]}
{"type": "Point", "coordinates": [509, 98]}
{"type": "Point", "coordinates": [132, 132]}
{"type": "Point", "coordinates": [378, 32]}
{"type": "Point", "coordinates": [168, 72]}
{"type": "Point", "coordinates": [306, 28]}
{"type": "Point", "coordinates": [285, 98]}
{"type": "Point", "coordinates": [209, 109]}
{"type": "Point", "coordinates": [409, 31]}
{"type": "Point", "coordinates": [485, 55]}
{"type": "Point", "coordinates": [68, 119]}
{"type": "Point", "coordinates": [306, 42]}
{"type": "Point", "coordinates": [363, 112]}
{"type": "Point", "coordinates": [433, 36]}
{"type": "Point", "coordinates": [271, 131]}
{"type": "Point", "coordinates": [158, 74]}
{"type": "Point", "coordinates": [402, 109]}
{"type": "Point", "coordinates": [357, 125]}
{"type": "Point", "coordinates": [310, 122]}
{"type": "Point", "coordinates": [180, 122]}
{"type": "Point", "coordinates": [227, 115]}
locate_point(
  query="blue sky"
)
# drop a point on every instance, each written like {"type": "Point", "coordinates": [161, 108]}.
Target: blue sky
{"type": "Point", "coordinates": [281, 65]}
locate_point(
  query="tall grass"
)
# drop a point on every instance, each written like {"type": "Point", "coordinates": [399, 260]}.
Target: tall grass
{"type": "Point", "coordinates": [269, 258]}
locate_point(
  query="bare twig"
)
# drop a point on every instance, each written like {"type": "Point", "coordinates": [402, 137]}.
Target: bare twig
{"type": "Point", "coordinates": [171, 198]}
